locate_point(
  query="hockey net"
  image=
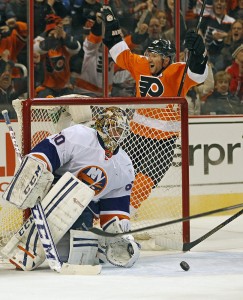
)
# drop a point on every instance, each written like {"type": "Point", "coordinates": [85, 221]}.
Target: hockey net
{"type": "Point", "coordinates": [40, 118]}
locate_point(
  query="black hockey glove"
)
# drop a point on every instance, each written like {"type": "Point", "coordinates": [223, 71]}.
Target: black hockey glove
{"type": "Point", "coordinates": [194, 42]}
{"type": "Point", "coordinates": [112, 27]}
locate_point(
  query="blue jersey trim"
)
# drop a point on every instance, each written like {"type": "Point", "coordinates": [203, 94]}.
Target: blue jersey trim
{"type": "Point", "coordinates": [50, 151]}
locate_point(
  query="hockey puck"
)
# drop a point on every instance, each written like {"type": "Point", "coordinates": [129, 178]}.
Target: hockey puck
{"type": "Point", "coordinates": [184, 265]}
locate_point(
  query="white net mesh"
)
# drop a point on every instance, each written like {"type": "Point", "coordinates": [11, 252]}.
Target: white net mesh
{"type": "Point", "coordinates": [157, 197]}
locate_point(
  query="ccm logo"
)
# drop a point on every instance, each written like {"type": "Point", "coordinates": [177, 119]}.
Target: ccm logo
{"type": "Point", "coordinates": [33, 180]}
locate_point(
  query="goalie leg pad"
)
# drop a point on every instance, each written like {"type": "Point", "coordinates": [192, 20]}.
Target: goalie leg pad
{"type": "Point", "coordinates": [30, 184]}
{"type": "Point", "coordinates": [83, 248]}
{"type": "Point", "coordinates": [62, 206]}
{"type": "Point", "coordinates": [120, 251]}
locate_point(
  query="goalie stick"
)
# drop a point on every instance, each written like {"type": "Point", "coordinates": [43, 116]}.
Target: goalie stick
{"type": "Point", "coordinates": [190, 245]}
{"type": "Point", "coordinates": [47, 242]}
{"type": "Point", "coordinates": [207, 213]}
{"type": "Point", "coordinates": [189, 55]}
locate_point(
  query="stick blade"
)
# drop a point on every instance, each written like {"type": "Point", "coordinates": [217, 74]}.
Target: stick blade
{"type": "Point", "coordinates": [68, 269]}
{"type": "Point", "coordinates": [187, 246]}
{"type": "Point", "coordinates": [100, 232]}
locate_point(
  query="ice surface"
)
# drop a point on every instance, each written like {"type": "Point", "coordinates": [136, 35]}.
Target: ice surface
{"type": "Point", "coordinates": [216, 272]}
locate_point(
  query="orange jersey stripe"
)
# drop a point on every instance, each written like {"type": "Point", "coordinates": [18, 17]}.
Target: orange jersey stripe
{"type": "Point", "coordinates": [105, 218]}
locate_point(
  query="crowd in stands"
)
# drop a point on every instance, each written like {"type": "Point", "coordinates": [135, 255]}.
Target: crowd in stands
{"type": "Point", "coordinates": [68, 49]}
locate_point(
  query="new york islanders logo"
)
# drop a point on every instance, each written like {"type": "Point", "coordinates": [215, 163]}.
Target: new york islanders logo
{"type": "Point", "coordinates": [95, 177]}
{"type": "Point", "coordinates": [150, 86]}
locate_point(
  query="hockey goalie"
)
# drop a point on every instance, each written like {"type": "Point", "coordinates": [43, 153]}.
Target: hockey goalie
{"type": "Point", "coordinates": [79, 175]}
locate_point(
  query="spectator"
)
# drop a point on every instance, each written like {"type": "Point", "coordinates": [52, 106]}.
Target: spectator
{"type": "Point", "coordinates": [161, 16]}
{"type": "Point", "coordinates": [42, 8]}
{"type": "Point", "coordinates": [236, 72]}
{"type": "Point", "coordinates": [196, 95]}
{"type": "Point", "coordinates": [154, 33]}
{"type": "Point", "coordinates": [194, 9]}
{"type": "Point", "coordinates": [10, 90]}
{"type": "Point", "coordinates": [170, 33]}
{"type": "Point", "coordinates": [215, 27]}
{"type": "Point", "coordinates": [83, 16]}
{"type": "Point", "coordinates": [222, 101]}
{"type": "Point", "coordinates": [128, 12]}
{"type": "Point", "coordinates": [237, 12]}
{"type": "Point", "coordinates": [236, 39]}
{"type": "Point", "coordinates": [208, 7]}
{"type": "Point", "coordinates": [6, 12]}
{"type": "Point", "coordinates": [90, 80]}
{"type": "Point", "coordinates": [19, 7]}
{"type": "Point", "coordinates": [13, 39]}
{"type": "Point", "coordinates": [38, 69]}
{"type": "Point", "coordinates": [231, 5]}
{"type": "Point", "coordinates": [147, 14]}
{"type": "Point", "coordinates": [55, 47]}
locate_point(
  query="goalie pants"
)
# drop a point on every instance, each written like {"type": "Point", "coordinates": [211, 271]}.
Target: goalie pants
{"type": "Point", "coordinates": [149, 156]}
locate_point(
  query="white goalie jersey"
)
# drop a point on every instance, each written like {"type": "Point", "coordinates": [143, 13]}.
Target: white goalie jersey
{"type": "Point", "coordinates": [79, 150]}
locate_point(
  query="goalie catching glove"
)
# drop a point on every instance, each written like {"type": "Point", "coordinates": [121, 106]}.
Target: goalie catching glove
{"type": "Point", "coordinates": [120, 251]}
{"type": "Point", "coordinates": [30, 184]}
{"type": "Point", "coordinates": [112, 28]}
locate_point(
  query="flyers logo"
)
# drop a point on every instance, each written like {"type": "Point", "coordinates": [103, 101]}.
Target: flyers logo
{"type": "Point", "coordinates": [95, 177]}
{"type": "Point", "coordinates": [150, 86]}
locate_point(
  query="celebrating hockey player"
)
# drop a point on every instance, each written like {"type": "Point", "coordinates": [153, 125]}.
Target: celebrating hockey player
{"type": "Point", "coordinates": [78, 155]}
{"type": "Point", "coordinates": [156, 75]}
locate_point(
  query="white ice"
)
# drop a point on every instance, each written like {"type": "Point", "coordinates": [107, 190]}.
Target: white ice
{"type": "Point", "coordinates": [216, 272]}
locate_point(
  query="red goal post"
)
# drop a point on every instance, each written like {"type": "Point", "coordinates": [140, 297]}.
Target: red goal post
{"type": "Point", "coordinates": [169, 200]}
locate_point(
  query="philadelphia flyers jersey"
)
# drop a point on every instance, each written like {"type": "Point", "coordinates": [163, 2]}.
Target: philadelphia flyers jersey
{"type": "Point", "coordinates": [56, 64]}
{"type": "Point", "coordinates": [77, 149]}
{"type": "Point", "coordinates": [166, 84]}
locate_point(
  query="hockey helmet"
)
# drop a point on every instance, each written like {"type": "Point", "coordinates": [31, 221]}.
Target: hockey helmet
{"type": "Point", "coordinates": [165, 48]}
{"type": "Point", "coordinates": [112, 126]}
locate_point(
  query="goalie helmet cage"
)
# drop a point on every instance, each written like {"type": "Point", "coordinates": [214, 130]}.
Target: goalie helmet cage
{"type": "Point", "coordinates": [39, 118]}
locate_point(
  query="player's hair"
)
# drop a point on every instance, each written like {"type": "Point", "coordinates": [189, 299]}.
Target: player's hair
{"type": "Point", "coordinates": [222, 75]}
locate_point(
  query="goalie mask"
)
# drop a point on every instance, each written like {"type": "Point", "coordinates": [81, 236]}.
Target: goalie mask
{"type": "Point", "coordinates": [112, 126]}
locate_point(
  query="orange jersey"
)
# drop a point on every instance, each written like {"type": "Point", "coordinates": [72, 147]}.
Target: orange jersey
{"type": "Point", "coordinates": [13, 44]}
{"type": "Point", "coordinates": [57, 69]}
{"type": "Point", "coordinates": [56, 64]}
{"type": "Point", "coordinates": [163, 123]}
